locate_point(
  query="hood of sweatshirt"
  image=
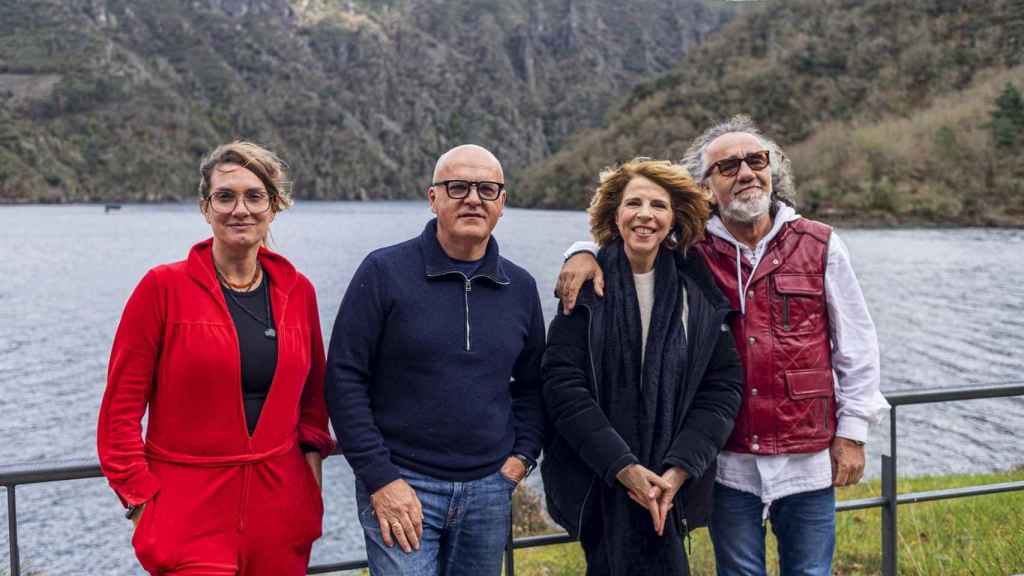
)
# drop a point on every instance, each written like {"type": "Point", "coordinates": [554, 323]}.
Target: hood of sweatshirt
{"type": "Point", "coordinates": [716, 227]}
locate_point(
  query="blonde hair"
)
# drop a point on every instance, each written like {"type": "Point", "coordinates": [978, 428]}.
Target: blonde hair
{"type": "Point", "coordinates": [270, 169]}
{"type": "Point", "coordinates": [690, 205]}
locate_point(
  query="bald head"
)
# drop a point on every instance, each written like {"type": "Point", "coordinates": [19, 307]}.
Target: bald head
{"type": "Point", "coordinates": [465, 221]}
{"type": "Point", "coordinates": [467, 157]}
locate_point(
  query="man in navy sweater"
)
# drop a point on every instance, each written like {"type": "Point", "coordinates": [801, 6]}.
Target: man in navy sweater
{"type": "Point", "coordinates": [433, 382]}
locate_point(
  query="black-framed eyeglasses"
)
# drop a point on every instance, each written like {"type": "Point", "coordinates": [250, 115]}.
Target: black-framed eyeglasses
{"type": "Point", "coordinates": [729, 167]}
{"type": "Point", "coordinates": [459, 189]}
{"type": "Point", "coordinates": [225, 201]}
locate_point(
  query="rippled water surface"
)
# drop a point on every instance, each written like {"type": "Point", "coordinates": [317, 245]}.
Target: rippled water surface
{"type": "Point", "coordinates": [949, 306]}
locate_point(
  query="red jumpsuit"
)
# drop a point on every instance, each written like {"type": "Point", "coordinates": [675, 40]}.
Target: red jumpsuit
{"type": "Point", "coordinates": [218, 501]}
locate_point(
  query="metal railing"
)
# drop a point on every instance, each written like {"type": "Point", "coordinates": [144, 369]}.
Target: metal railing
{"type": "Point", "coordinates": [17, 475]}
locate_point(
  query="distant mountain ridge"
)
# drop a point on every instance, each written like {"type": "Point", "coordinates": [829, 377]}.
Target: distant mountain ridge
{"type": "Point", "coordinates": [115, 100]}
{"type": "Point", "coordinates": [884, 105]}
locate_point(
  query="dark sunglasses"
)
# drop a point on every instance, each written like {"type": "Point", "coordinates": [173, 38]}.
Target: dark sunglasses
{"type": "Point", "coordinates": [729, 167]}
{"type": "Point", "coordinates": [459, 189]}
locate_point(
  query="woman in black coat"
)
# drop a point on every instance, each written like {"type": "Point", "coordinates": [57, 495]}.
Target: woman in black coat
{"type": "Point", "coordinates": [643, 384]}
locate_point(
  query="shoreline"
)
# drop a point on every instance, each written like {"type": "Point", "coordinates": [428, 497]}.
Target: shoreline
{"type": "Point", "coordinates": [836, 220]}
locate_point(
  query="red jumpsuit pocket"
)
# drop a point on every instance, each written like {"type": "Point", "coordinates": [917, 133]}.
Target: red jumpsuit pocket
{"type": "Point", "coordinates": [315, 506]}
{"type": "Point", "coordinates": [284, 501]}
{"type": "Point", "coordinates": [152, 545]}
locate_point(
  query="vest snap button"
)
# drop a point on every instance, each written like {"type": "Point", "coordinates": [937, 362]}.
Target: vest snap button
{"type": "Point", "coordinates": [753, 392]}
{"type": "Point", "coordinates": [752, 340]}
{"type": "Point", "coordinates": [755, 447]}
{"type": "Point", "coordinates": [750, 294]}
{"type": "Point", "coordinates": [775, 261]}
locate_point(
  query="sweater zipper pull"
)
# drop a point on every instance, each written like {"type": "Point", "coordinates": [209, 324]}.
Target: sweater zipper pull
{"type": "Point", "coordinates": [469, 288]}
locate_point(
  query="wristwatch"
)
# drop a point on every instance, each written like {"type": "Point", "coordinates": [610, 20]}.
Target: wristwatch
{"type": "Point", "coordinates": [528, 463]}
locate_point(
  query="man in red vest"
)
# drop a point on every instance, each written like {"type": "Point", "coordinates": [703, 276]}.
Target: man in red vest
{"type": "Point", "coordinates": [809, 351]}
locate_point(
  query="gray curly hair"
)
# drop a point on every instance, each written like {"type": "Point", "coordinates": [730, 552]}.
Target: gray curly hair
{"type": "Point", "coordinates": [782, 178]}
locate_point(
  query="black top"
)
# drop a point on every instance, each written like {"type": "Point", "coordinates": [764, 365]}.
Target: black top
{"type": "Point", "coordinates": [259, 353]}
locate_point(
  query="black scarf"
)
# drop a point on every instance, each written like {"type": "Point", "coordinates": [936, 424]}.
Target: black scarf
{"type": "Point", "coordinates": [641, 409]}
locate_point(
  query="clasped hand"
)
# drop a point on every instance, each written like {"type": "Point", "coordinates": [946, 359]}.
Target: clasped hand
{"type": "Point", "coordinates": [653, 492]}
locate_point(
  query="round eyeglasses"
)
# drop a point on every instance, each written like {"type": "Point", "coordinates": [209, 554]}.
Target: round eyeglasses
{"type": "Point", "coordinates": [225, 202]}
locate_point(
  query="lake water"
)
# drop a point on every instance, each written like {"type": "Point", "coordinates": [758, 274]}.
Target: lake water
{"type": "Point", "coordinates": [949, 306]}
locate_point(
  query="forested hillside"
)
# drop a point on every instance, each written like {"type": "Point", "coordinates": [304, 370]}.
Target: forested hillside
{"type": "Point", "coordinates": [892, 110]}
{"type": "Point", "coordinates": [118, 99]}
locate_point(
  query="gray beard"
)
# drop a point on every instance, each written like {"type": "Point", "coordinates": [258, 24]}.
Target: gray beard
{"type": "Point", "coordinates": [747, 211]}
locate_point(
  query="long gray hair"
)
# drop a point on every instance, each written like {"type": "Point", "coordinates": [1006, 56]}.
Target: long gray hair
{"type": "Point", "coordinates": [782, 179]}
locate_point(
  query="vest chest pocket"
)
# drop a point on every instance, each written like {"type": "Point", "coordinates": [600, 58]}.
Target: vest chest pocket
{"type": "Point", "coordinates": [798, 303]}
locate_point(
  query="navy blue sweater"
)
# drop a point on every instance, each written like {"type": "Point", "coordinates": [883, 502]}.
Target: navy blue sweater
{"type": "Point", "coordinates": [433, 371]}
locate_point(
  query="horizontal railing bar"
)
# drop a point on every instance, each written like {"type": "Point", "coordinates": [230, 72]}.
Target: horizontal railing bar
{"type": "Point", "coordinates": [953, 394]}
{"type": "Point", "coordinates": [542, 540]}
{"type": "Point", "coordinates": [75, 469]}
{"type": "Point", "coordinates": [31, 473]}
{"type": "Point", "coordinates": [338, 567]}
{"type": "Point", "coordinates": [979, 490]}
{"type": "Point", "coordinates": [931, 495]}
{"type": "Point", "coordinates": [861, 504]}
{"type": "Point", "coordinates": [518, 544]}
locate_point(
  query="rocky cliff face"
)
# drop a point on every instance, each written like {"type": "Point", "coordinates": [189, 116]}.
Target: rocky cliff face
{"type": "Point", "coordinates": [118, 99]}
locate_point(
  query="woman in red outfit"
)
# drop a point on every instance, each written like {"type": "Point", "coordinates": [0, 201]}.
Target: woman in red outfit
{"type": "Point", "coordinates": [224, 349]}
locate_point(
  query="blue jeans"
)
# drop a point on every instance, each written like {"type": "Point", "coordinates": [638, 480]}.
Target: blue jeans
{"type": "Point", "coordinates": [804, 524]}
{"type": "Point", "coordinates": [465, 526]}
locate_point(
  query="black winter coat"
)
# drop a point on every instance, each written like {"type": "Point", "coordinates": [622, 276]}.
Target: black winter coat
{"type": "Point", "coordinates": [584, 448]}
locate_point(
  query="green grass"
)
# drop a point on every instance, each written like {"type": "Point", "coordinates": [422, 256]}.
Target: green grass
{"type": "Point", "coordinates": [978, 536]}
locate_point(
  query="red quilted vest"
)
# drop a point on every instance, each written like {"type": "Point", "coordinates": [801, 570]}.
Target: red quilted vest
{"type": "Point", "coordinates": [783, 339]}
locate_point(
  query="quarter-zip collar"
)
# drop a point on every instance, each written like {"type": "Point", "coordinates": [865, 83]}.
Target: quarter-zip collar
{"type": "Point", "coordinates": [438, 263]}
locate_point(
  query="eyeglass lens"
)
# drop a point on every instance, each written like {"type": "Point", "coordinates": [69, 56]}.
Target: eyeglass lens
{"type": "Point", "coordinates": [756, 161]}
{"type": "Point", "coordinates": [460, 189]}
{"type": "Point", "coordinates": [225, 202]}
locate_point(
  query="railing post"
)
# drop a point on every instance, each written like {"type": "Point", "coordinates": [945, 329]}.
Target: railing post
{"type": "Point", "coordinates": [889, 493]}
{"type": "Point", "coordinates": [12, 530]}
{"type": "Point", "coordinates": [510, 568]}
